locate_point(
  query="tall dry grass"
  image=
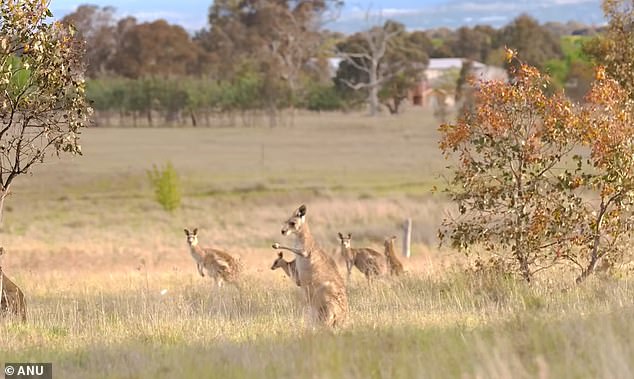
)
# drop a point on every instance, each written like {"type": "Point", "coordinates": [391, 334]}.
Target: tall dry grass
{"type": "Point", "coordinates": [454, 325]}
{"type": "Point", "coordinates": [113, 293]}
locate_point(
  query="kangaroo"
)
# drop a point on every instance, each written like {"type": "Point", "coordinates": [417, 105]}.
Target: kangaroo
{"type": "Point", "coordinates": [11, 296]}
{"type": "Point", "coordinates": [370, 262]}
{"type": "Point", "coordinates": [317, 272]}
{"type": "Point", "coordinates": [395, 266]}
{"type": "Point", "coordinates": [290, 268]}
{"type": "Point", "coordinates": [219, 265]}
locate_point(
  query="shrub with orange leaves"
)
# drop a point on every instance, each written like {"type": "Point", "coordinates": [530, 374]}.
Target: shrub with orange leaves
{"type": "Point", "coordinates": [607, 121]}
{"type": "Point", "coordinates": [506, 179]}
{"type": "Point", "coordinates": [539, 180]}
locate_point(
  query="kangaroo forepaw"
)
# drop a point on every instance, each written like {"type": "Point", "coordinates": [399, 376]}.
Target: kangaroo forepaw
{"type": "Point", "coordinates": [276, 245]}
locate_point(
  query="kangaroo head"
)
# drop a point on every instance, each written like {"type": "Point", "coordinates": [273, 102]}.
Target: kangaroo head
{"type": "Point", "coordinates": [345, 240]}
{"type": "Point", "coordinates": [192, 237]}
{"type": "Point", "coordinates": [295, 222]}
{"type": "Point", "coordinates": [279, 261]}
{"type": "Point", "coordinates": [389, 242]}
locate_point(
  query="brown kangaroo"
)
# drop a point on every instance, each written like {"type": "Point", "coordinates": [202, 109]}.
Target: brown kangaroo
{"type": "Point", "coordinates": [11, 296]}
{"type": "Point", "coordinates": [290, 268]}
{"type": "Point", "coordinates": [318, 276]}
{"type": "Point", "coordinates": [395, 266]}
{"type": "Point", "coordinates": [221, 266]}
{"type": "Point", "coordinates": [370, 262]}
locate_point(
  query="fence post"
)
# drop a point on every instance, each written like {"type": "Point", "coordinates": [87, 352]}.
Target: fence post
{"type": "Point", "coordinates": [407, 237]}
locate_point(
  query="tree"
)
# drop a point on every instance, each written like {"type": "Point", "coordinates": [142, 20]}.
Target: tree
{"type": "Point", "coordinates": [422, 41]}
{"type": "Point", "coordinates": [42, 104]}
{"type": "Point", "coordinates": [534, 42]}
{"type": "Point", "coordinates": [404, 66]}
{"type": "Point", "coordinates": [464, 88]}
{"type": "Point", "coordinates": [96, 26]}
{"type": "Point", "coordinates": [579, 79]}
{"type": "Point", "coordinates": [615, 49]}
{"type": "Point", "coordinates": [375, 57]}
{"type": "Point", "coordinates": [505, 180]}
{"type": "Point", "coordinates": [541, 180]}
{"type": "Point", "coordinates": [166, 185]}
{"type": "Point", "coordinates": [364, 52]}
{"type": "Point", "coordinates": [607, 122]}
{"type": "Point", "coordinates": [280, 37]}
{"type": "Point", "coordinates": [294, 38]}
{"type": "Point", "coordinates": [474, 44]}
{"type": "Point", "coordinates": [155, 49]}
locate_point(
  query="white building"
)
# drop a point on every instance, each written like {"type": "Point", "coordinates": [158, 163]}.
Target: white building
{"type": "Point", "coordinates": [441, 75]}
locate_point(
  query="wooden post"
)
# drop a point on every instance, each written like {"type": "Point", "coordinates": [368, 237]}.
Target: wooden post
{"type": "Point", "coordinates": [407, 237]}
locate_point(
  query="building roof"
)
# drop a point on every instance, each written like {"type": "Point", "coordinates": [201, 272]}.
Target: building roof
{"type": "Point", "coordinates": [449, 63]}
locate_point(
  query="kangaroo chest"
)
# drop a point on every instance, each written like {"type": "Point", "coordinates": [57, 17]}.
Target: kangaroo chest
{"type": "Point", "coordinates": [196, 253]}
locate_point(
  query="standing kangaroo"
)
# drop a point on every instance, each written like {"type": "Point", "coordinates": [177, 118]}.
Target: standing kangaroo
{"type": "Point", "coordinates": [318, 276]}
{"type": "Point", "coordinates": [219, 265]}
{"type": "Point", "coordinates": [11, 296]}
{"type": "Point", "coordinates": [370, 262]}
{"type": "Point", "coordinates": [395, 266]}
{"type": "Point", "coordinates": [290, 268]}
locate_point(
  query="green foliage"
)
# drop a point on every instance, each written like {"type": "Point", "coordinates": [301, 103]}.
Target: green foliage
{"type": "Point", "coordinates": [41, 78]}
{"type": "Point", "coordinates": [534, 42]}
{"type": "Point", "coordinates": [558, 70]}
{"type": "Point", "coordinates": [323, 98]}
{"type": "Point", "coordinates": [615, 49]}
{"type": "Point", "coordinates": [171, 97]}
{"type": "Point", "coordinates": [166, 185]}
{"type": "Point", "coordinates": [573, 71]}
{"type": "Point", "coordinates": [244, 92]}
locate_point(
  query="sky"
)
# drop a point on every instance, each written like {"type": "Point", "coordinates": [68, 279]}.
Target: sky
{"type": "Point", "coordinates": [415, 14]}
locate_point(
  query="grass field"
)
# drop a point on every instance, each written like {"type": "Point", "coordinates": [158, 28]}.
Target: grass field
{"type": "Point", "coordinates": [113, 292]}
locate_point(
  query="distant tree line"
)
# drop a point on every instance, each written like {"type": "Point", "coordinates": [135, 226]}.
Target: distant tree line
{"type": "Point", "coordinates": [261, 57]}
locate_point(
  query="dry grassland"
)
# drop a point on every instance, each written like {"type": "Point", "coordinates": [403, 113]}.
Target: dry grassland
{"type": "Point", "coordinates": [113, 292]}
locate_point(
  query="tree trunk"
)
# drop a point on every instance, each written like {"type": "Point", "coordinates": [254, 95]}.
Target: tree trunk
{"type": "Point", "coordinates": [588, 270]}
{"type": "Point", "coordinates": [397, 104]}
{"type": "Point", "coordinates": [595, 256]}
{"type": "Point", "coordinates": [374, 100]}
{"type": "Point", "coordinates": [374, 88]}
{"type": "Point", "coordinates": [292, 86]}
{"type": "Point", "coordinates": [524, 269]}
{"type": "Point", "coordinates": [3, 195]}
{"type": "Point", "coordinates": [272, 115]}
{"type": "Point", "coordinates": [193, 117]}
{"type": "Point", "coordinates": [394, 106]}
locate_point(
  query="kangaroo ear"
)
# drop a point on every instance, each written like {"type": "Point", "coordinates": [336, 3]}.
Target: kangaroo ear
{"type": "Point", "coordinates": [349, 235]}
{"type": "Point", "coordinates": [301, 211]}
{"type": "Point", "coordinates": [186, 231]}
{"type": "Point", "coordinates": [340, 235]}
{"type": "Point", "coordinates": [280, 254]}
{"type": "Point", "coordinates": [195, 231]}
